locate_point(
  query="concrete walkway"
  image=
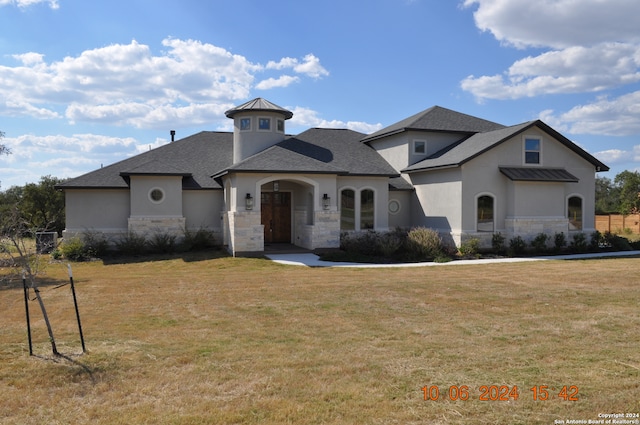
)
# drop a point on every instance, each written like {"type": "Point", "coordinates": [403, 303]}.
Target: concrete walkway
{"type": "Point", "coordinates": [312, 260]}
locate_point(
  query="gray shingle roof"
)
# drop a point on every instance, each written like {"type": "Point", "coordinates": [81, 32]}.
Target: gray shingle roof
{"type": "Point", "coordinates": [195, 157]}
{"type": "Point", "coordinates": [437, 118]}
{"type": "Point", "coordinates": [333, 151]}
{"type": "Point", "coordinates": [472, 146]}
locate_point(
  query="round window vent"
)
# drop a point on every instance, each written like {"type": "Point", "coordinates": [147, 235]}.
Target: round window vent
{"type": "Point", "coordinates": [156, 195]}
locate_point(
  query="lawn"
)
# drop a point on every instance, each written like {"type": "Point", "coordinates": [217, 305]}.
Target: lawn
{"type": "Point", "coordinates": [210, 339]}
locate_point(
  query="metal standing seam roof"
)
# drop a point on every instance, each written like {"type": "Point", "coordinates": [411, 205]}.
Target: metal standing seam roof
{"type": "Point", "coordinates": [259, 104]}
{"type": "Point", "coordinates": [538, 174]}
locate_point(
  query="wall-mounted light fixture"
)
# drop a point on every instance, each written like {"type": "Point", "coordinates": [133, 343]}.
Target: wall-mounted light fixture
{"type": "Point", "coordinates": [248, 202]}
{"type": "Point", "coordinates": [326, 201]}
{"type": "Point", "coordinates": [276, 186]}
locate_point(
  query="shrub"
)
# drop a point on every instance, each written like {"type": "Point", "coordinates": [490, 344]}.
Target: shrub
{"type": "Point", "coordinates": [497, 243]}
{"type": "Point", "coordinates": [559, 241]}
{"type": "Point", "coordinates": [198, 240]}
{"type": "Point", "coordinates": [424, 244]}
{"type": "Point", "coordinates": [517, 246]}
{"type": "Point", "coordinates": [131, 244]}
{"type": "Point", "coordinates": [579, 243]}
{"type": "Point", "coordinates": [96, 243]}
{"type": "Point", "coordinates": [596, 240]}
{"type": "Point", "coordinates": [74, 250]}
{"type": "Point", "coordinates": [390, 243]}
{"type": "Point", "coordinates": [470, 247]}
{"type": "Point", "coordinates": [539, 243]}
{"type": "Point", "coordinates": [162, 243]}
{"type": "Point", "coordinates": [618, 243]}
{"type": "Point", "coordinates": [364, 243]}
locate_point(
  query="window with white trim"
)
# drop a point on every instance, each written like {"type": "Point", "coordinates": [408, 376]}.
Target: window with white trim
{"type": "Point", "coordinates": [245, 124]}
{"type": "Point", "coordinates": [419, 147]}
{"type": "Point", "coordinates": [532, 150]}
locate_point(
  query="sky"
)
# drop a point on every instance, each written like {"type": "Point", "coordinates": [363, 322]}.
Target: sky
{"type": "Point", "coordinates": [89, 83]}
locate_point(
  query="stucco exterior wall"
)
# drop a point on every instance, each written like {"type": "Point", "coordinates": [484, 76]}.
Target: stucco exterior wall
{"type": "Point", "coordinates": [402, 217]}
{"type": "Point", "coordinates": [438, 196]}
{"type": "Point", "coordinates": [101, 210]}
{"type": "Point", "coordinates": [203, 209]}
{"type": "Point", "coordinates": [142, 204]}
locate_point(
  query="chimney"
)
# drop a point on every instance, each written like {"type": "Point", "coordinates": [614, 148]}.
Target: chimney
{"type": "Point", "coordinates": [173, 135]}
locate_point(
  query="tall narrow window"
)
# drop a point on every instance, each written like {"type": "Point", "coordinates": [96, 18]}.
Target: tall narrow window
{"type": "Point", "coordinates": [347, 210]}
{"type": "Point", "coordinates": [531, 151]}
{"type": "Point", "coordinates": [367, 207]}
{"type": "Point", "coordinates": [574, 212]}
{"type": "Point", "coordinates": [485, 213]}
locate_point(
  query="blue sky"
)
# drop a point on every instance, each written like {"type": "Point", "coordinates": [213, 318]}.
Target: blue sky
{"type": "Point", "coordinates": [85, 83]}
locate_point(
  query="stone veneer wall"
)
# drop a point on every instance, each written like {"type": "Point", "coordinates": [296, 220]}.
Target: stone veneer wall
{"type": "Point", "coordinates": [246, 233]}
{"type": "Point", "coordinates": [529, 227]}
{"type": "Point", "coordinates": [325, 233]}
{"type": "Point", "coordinates": [145, 225]}
{"type": "Point", "coordinates": [326, 229]}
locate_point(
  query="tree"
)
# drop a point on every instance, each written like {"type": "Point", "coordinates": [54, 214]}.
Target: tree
{"type": "Point", "coordinates": [3, 149]}
{"type": "Point", "coordinates": [607, 199]}
{"type": "Point", "coordinates": [16, 254]}
{"type": "Point", "coordinates": [43, 206]}
{"type": "Point", "coordinates": [628, 185]}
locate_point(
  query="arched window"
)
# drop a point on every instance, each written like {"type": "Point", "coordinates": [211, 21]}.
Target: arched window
{"type": "Point", "coordinates": [574, 213]}
{"type": "Point", "coordinates": [485, 210]}
{"type": "Point", "coordinates": [367, 208]}
{"type": "Point", "coordinates": [347, 209]}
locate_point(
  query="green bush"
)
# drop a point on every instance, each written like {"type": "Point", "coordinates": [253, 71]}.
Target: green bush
{"type": "Point", "coordinates": [162, 243]}
{"type": "Point", "coordinates": [470, 247]}
{"type": "Point", "coordinates": [579, 243]}
{"type": "Point", "coordinates": [198, 240]}
{"type": "Point", "coordinates": [560, 241]}
{"type": "Point", "coordinates": [74, 249]}
{"type": "Point", "coordinates": [364, 243]}
{"type": "Point", "coordinates": [131, 244]}
{"type": "Point", "coordinates": [96, 243]}
{"type": "Point", "coordinates": [389, 243]}
{"type": "Point", "coordinates": [497, 243]}
{"type": "Point", "coordinates": [596, 240]}
{"type": "Point", "coordinates": [517, 246]}
{"type": "Point", "coordinates": [539, 243]}
{"type": "Point", "coordinates": [424, 244]}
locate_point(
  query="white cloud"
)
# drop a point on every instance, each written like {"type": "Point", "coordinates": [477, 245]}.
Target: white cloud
{"type": "Point", "coordinates": [283, 81]}
{"type": "Point", "coordinates": [193, 82]}
{"type": "Point", "coordinates": [558, 23]}
{"type": "Point", "coordinates": [572, 70]}
{"type": "Point", "coordinates": [305, 118]}
{"type": "Point", "coordinates": [53, 4]}
{"type": "Point", "coordinates": [309, 66]}
{"type": "Point", "coordinates": [594, 47]}
{"type": "Point", "coordinates": [612, 117]}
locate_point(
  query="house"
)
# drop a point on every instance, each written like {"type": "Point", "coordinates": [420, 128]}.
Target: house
{"type": "Point", "coordinates": [256, 187]}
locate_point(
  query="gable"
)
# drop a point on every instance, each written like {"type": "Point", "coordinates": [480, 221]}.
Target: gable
{"type": "Point", "coordinates": [480, 143]}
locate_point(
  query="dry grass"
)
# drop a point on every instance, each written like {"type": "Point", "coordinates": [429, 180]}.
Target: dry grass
{"type": "Point", "coordinates": [247, 341]}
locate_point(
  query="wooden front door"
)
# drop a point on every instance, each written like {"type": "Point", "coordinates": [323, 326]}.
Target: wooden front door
{"type": "Point", "coordinates": [276, 216]}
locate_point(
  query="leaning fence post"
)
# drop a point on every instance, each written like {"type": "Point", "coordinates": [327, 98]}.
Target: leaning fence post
{"type": "Point", "coordinates": [26, 309]}
{"type": "Point", "coordinates": [75, 303]}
